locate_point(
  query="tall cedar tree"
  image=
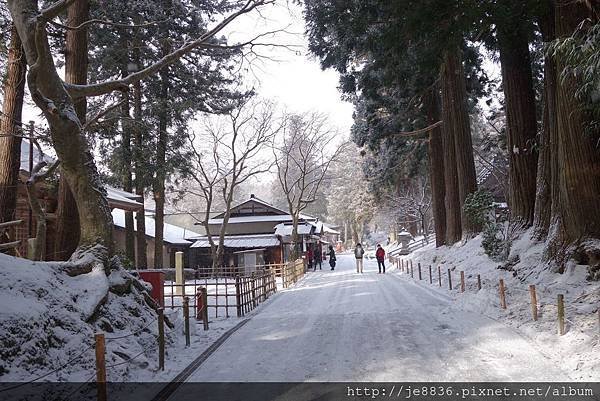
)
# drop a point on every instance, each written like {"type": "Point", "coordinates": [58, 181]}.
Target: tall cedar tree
{"type": "Point", "coordinates": [76, 68]}
{"type": "Point", "coordinates": [513, 30]}
{"type": "Point", "coordinates": [575, 219]}
{"type": "Point", "coordinates": [10, 128]}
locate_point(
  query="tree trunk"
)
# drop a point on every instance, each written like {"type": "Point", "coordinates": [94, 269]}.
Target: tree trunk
{"type": "Point", "coordinates": [521, 122]}
{"type": "Point", "coordinates": [76, 66]}
{"type": "Point", "coordinates": [575, 224]}
{"type": "Point", "coordinates": [548, 144]}
{"type": "Point", "coordinates": [50, 95]}
{"type": "Point", "coordinates": [141, 256]}
{"type": "Point", "coordinates": [457, 127]}
{"type": "Point", "coordinates": [126, 128]}
{"type": "Point", "coordinates": [451, 196]}
{"type": "Point", "coordinates": [10, 129]}
{"type": "Point", "coordinates": [436, 168]}
{"type": "Point", "coordinates": [160, 178]}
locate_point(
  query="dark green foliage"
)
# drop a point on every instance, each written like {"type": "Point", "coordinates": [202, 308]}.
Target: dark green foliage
{"type": "Point", "coordinates": [388, 55]}
{"type": "Point", "coordinates": [202, 81]}
{"type": "Point", "coordinates": [478, 206]}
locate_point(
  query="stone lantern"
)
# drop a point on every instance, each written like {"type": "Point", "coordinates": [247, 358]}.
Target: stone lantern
{"type": "Point", "coordinates": [404, 238]}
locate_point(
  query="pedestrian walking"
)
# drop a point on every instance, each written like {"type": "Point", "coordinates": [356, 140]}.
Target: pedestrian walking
{"type": "Point", "coordinates": [318, 258]}
{"type": "Point", "coordinates": [309, 258]}
{"type": "Point", "coordinates": [358, 254]}
{"type": "Point", "coordinates": [380, 255]}
{"type": "Point", "coordinates": [331, 255]}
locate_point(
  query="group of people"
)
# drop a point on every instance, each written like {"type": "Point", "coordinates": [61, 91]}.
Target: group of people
{"type": "Point", "coordinates": [379, 255]}
{"type": "Point", "coordinates": [316, 257]}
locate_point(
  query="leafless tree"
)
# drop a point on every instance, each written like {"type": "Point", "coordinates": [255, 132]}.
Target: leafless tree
{"type": "Point", "coordinates": [56, 99]}
{"type": "Point", "coordinates": [412, 204]}
{"type": "Point", "coordinates": [303, 160]}
{"type": "Point", "coordinates": [232, 149]}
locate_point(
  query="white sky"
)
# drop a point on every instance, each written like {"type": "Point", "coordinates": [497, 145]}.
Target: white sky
{"type": "Point", "coordinates": [289, 75]}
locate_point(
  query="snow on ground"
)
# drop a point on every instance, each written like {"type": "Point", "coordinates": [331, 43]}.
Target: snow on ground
{"type": "Point", "coordinates": [577, 350]}
{"type": "Point", "coordinates": [343, 326]}
{"type": "Point", "coordinates": [48, 321]}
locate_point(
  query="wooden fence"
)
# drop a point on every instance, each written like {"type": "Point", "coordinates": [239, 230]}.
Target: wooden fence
{"type": "Point", "coordinates": [292, 272]}
{"type": "Point", "coordinates": [232, 288]}
{"type": "Point", "coordinates": [4, 234]}
{"type": "Point", "coordinates": [253, 290]}
{"type": "Point", "coordinates": [406, 266]}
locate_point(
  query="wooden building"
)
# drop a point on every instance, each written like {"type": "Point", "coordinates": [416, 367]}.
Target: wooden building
{"type": "Point", "coordinates": [47, 193]}
{"type": "Point", "coordinates": [257, 232]}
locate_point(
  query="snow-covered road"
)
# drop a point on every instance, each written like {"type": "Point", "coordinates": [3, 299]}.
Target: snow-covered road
{"type": "Point", "coordinates": [342, 326]}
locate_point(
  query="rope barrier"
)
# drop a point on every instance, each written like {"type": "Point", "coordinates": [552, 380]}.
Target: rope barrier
{"type": "Point", "coordinates": [125, 361]}
{"type": "Point", "coordinates": [48, 373]}
{"type": "Point", "coordinates": [132, 334]}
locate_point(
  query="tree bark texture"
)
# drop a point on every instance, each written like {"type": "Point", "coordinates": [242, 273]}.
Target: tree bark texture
{"type": "Point", "coordinates": [50, 95]}
{"type": "Point", "coordinates": [548, 137]}
{"type": "Point", "coordinates": [141, 254]}
{"type": "Point", "coordinates": [456, 121]}
{"type": "Point", "coordinates": [521, 121]}
{"type": "Point", "coordinates": [126, 128]}
{"type": "Point", "coordinates": [160, 178]}
{"type": "Point", "coordinates": [76, 66]}
{"type": "Point", "coordinates": [575, 224]}
{"type": "Point", "coordinates": [10, 129]}
{"type": "Point", "coordinates": [451, 195]}
{"type": "Point", "coordinates": [436, 168]}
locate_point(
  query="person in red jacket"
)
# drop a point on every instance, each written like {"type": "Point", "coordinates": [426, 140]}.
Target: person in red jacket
{"type": "Point", "coordinates": [380, 255]}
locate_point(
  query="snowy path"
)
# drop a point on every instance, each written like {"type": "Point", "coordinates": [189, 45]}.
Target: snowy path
{"type": "Point", "coordinates": [341, 326]}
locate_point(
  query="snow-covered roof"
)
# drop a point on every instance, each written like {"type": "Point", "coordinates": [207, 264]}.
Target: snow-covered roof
{"type": "Point", "coordinates": [259, 219]}
{"type": "Point", "coordinates": [285, 230]}
{"type": "Point", "coordinates": [171, 233]}
{"type": "Point", "coordinates": [241, 241]}
{"type": "Point", "coordinates": [329, 230]}
{"type": "Point", "coordinates": [24, 165]}
{"type": "Point", "coordinates": [259, 202]}
{"type": "Point", "coordinates": [117, 198]}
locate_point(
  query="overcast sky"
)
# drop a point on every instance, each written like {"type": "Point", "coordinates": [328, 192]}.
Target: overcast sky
{"type": "Point", "coordinates": [289, 75]}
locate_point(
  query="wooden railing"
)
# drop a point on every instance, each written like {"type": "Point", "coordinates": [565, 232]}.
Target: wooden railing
{"type": "Point", "coordinates": [3, 228]}
{"type": "Point", "coordinates": [253, 290]}
{"type": "Point", "coordinates": [292, 272]}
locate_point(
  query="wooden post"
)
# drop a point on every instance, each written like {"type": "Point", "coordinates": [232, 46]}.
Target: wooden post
{"type": "Point", "coordinates": [238, 298]}
{"type": "Point", "coordinates": [478, 282]}
{"type": "Point", "coordinates": [430, 276]}
{"type": "Point", "coordinates": [419, 266]}
{"type": "Point", "coordinates": [186, 317]}
{"type": "Point", "coordinates": [161, 339]}
{"type": "Point", "coordinates": [561, 314]}
{"type": "Point", "coordinates": [100, 367]}
{"type": "Point", "coordinates": [205, 309]}
{"type": "Point", "coordinates": [30, 211]}
{"type": "Point", "coordinates": [502, 295]}
{"type": "Point", "coordinates": [179, 276]}
{"type": "Point", "coordinates": [440, 275]}
{"type": "Point", "coordinates": [462, 281]}
{"type": "Point", "coordinates": [449, 280]}
{"type": "Point", "coordinates": [533, 296]}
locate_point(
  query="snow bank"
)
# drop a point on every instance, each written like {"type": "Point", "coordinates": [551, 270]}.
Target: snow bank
{"type": "Point", "coordinates": [48, 321]}
{"type": "Point", "coordinates": [577, 349]}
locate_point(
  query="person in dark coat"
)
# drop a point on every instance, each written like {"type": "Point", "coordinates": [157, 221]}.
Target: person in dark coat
{"type": "Point", "coordinates": [309, 257]}
{"type": "Point", "coordinates": [331, 254]}
{"type": "Point", "coordinates": [380, 255]}
{"type": "Point", "coordinates": [318, 257]}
